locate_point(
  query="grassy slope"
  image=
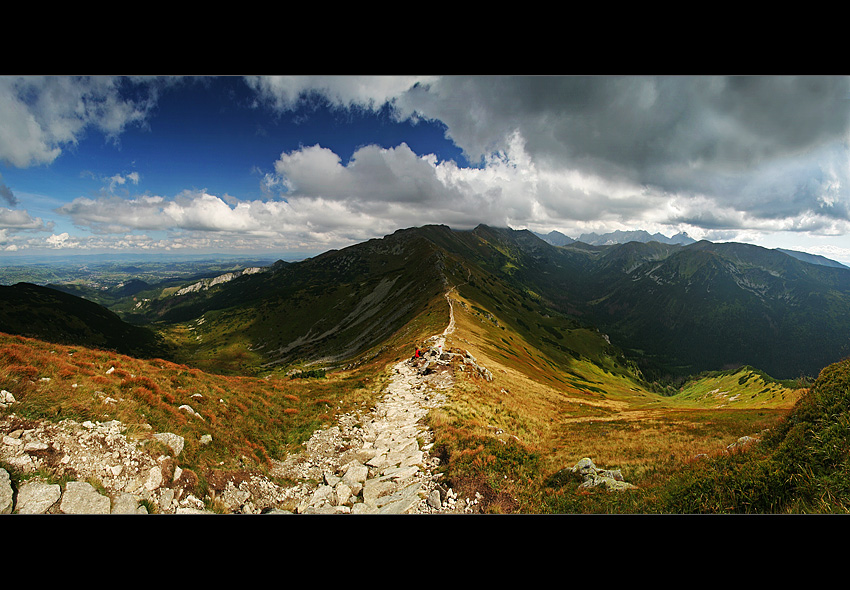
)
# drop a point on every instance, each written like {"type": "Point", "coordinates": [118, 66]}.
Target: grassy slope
{"type": "Point", "coordinates": [510, 438]}
{"type": "Point", "coordinates": [325, 310]}
{"type": "Point", "coordinates": [745, 387]}
{"type": "Point", "coordinates": [560, 392]}
{"type": "Point", "coordinates": [801, 466]}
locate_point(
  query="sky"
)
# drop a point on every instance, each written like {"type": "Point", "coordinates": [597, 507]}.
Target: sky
{"type": "Point", "coordinates": [290, 166]}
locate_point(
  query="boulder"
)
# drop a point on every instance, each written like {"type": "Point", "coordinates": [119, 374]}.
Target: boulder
{"type": "Point", "coordinates": [80, 497]}
{"type": "Point", "coordinates": [610, 479]}
{"type": "Point", "coordinates": [172, 441]}
{"type": "Point", "coordinates": [126, 504]}
{"type": "Point", "coordinates": [154, 478]}
{"type": "Point", "coordinates": [355, 477]}
{"type": "Point", "coordinates": [6, 399]}
{"type": "Point", "coordinates": [6, 495]}
{"type": "Point", "coordinates": [434, 500]}
{"type": "Point", "coordinates": [35, 497]}
{"type": "Point", "coordinates": [402, 501]}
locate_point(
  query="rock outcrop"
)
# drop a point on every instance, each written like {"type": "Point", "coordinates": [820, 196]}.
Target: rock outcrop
{"type": "Point", "coordinates": [128, 476]}
{"type": "Point", "coordinates": [435, 357]}
{"type": "Point", "coordinates": [610, 479]}
{"type": "Point", "coordinates": [205, 284]}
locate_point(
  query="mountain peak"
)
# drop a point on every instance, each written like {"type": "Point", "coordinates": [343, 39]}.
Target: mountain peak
{"type": "Point", "coordinates": [557, 238]}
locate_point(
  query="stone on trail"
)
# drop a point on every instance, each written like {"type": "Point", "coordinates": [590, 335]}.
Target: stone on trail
{"type": "Point", "coordinates": [81, 498]}
{"type": "Point", "coordinates": [126, 503]}
{"type": "Point", "coordinates": [355, 477]}
{"type": "Point", "coordinates": [154, 479]}
{"type": "Point", "coordinates": [323, 494]}
{"type": "Point", "coordinates": [401, 502]}
{"type": "Point", "coordinates": [6, 500]}
{"type": "Point", "coordinates": [400, 473]}
{"type": "Point", "coordinates": [374, 489]}
{"type": "Point", "coordinates": [343, 495]}
{"type": "Point", "coordinates": [36, 497]}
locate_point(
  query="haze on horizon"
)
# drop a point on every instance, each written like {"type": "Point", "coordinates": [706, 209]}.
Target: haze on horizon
{"type": "Point", "coordinates": [286, 164]}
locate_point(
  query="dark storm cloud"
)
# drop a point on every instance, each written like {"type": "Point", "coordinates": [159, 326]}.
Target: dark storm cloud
{"type": "Point", "coordinates": [754, 147]}
{"type": "Point", "coordinates": [646, 129]}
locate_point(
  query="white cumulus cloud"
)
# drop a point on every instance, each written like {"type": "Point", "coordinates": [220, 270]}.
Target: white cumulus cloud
{"type": "Point", "coordinates": [42, 115]}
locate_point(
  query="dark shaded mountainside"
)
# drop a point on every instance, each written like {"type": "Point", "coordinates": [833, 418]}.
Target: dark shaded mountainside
{"type": "Point", "coordinates": [51, 315]}
{"type": "Point", "coordinates": [329, 309]}
{"type": "Point", "coordinates": [683, 309]}
{"type": "Point", "coordinates": [343, 305]}
{"type": "Point", "coordinates": [673, 309]}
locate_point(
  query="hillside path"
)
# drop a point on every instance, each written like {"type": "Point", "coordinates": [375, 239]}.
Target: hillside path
{"type": "Point", "coordinates": [377, 463]}
{"type": "Point", "coordinates": [380, 463]}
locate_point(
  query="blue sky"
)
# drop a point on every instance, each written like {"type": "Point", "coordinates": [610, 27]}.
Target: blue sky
{"type": "Point", "coordinates": [278, 165]}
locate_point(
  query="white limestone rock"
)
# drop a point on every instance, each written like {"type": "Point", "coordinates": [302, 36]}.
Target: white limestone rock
{"type": "Point", "coordinates": [36, 497]}
{"type": "Point", "coordinates": [80, 497]}
{"type": "Point", "coordinates": [6, 494]}
{"type": "Point", "coordinates": [172, 441]}
{"type": "Point", "coordinates": [126, 503]}
{"type": "Point", "coordinates": [154, 479]}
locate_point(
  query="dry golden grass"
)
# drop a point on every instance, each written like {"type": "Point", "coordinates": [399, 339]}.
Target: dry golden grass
{"type": "Point", "coordinates": [623, 426]}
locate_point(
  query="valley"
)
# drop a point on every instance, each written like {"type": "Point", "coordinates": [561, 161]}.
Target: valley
{"type": "Point", "coordinates": [656, 360]}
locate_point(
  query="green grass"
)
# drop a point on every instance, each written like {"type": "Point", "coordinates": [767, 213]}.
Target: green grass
{"type": "Point", "coordinates": [745, 387]}
{"type": "Point", "coordinates": [514, 439]}
{"type": "Point", "coordinates": [801, 465]}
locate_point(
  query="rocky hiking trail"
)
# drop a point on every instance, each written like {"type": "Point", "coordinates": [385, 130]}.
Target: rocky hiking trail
{"type": "Point", "coordinates": [377, 463]}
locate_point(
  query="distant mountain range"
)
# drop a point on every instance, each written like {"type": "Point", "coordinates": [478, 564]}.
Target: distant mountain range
{"type": "Point", "coordinates": [556, 238]}
{"type": "Point", "coordinates": [813, 258]}
{"type": "Point", "coordinates": [687, 308]}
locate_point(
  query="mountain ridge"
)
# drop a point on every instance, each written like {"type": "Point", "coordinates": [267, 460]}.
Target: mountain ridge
{"type": "Point", "coordinates": [557, 238]}
{"type": "Point", "coordinates": [557, 385]}
{"type": "Point", "coordinates": [674, 309]}
{"type": "Point", "coordinates": [763, 298]}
